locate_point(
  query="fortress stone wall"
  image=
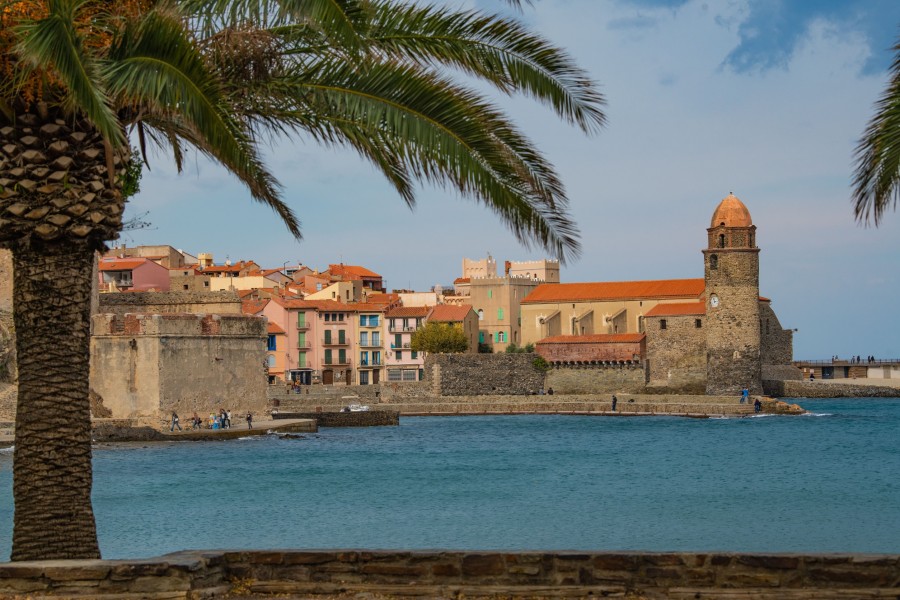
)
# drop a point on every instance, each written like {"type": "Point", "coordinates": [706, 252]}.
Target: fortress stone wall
{"type": "Point", "coordinates": [219, 303]}
{"type": "Point", "coordinates": [145, 366]}
{"type": "Point", "coordinates": [676, 355]}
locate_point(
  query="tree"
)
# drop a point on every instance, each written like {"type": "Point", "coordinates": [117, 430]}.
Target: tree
{"type": "Point", "coordinates": [876, 180]}
{"type": "Point", "coordinates": [438, 337]}
{"type": "Point", "coordinates": [82, 77]}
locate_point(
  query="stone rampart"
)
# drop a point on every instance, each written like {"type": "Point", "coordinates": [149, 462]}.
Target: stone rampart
{"type": "Point", "coordinates": [455, 574]}
{"type": "Point", "coordinates": [817, 389]}
{"type": "Point", "coordinates": [369, 418]}
{"type": "Point", "coordinates": [484, 374]}
{"type": "Point", "coordinates": [220, 303]}
{"type": "Point", "coordinates": [596, 379]}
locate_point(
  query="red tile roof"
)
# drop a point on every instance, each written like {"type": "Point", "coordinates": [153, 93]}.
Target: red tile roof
{"type": "Point", "coordinates": [122, 264]}
{"type": "Point", "coordinates": [597, 338]}
{"type": "Point", "coordinates": [273, 328]}
{"type": "Point", "coordinates": [449, 312]}
{"type": "Point", "coordinates": [462, 280]}
{"type": "Point", "coordinates": [408, 311]}
{"type": "Point", "coordinates": [615, 290]}
{"type": "Point", "coordinates": [253, 307]}
{"type": "Point", "coordinates": [676, 309]}
{"type": "Point", "coordinates": [323, 305]}
{"type": "Point", "coordinates": [352, 270]}
{"type": "Point", "coordinates": [379, 298]}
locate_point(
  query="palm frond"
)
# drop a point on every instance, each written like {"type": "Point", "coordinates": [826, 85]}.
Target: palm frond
{"type": "Point", "coordinates": [498, 50]}
{"type": "Point", "coordinates": [876, 181]}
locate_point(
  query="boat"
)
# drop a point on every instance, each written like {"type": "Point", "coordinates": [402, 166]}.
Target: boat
{"type": "Point", "coordinates": [355, 408]}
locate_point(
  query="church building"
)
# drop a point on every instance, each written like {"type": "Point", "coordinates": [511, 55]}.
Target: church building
{"type": "Point", "coordinates": [715, 333]}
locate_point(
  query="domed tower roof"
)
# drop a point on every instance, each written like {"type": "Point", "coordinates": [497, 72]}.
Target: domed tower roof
{"type": "Point", "coordinates": [731, 212]}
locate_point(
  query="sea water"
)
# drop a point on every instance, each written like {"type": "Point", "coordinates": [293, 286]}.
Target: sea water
{"type": "Point", "coordinates": [825, 482]}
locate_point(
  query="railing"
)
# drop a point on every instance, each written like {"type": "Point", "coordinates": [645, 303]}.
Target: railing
{"type": "Point", "coordinates": [375, 326]}
{"type": "Point", "coordinates": [403, 346]}
{"type": "Point", "coordinates": [303, 345]}
{"type": "Point", "coordinates": [370, 344]}
{"type": "Point", "coordinates": [335, 342]}
{"type": "Point", "coordinates": [302, 326]}
{"type": "Point", "coordinates": [399, 329]}
{"type": "Point", "coordinates": [337, 362]}
{"type": "Point", "coordinates": [846, 362]}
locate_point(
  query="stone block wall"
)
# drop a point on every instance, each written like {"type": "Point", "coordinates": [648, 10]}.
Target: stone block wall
{"type": "Point", "coordinates": [818, 389]}
{"type": "Point", "coordinates": [596, 379]}
{"type": "Point", "coordinates": [221, 303]}
{"type": "Point", "coordinates": [145, 366]}
{"type": "Point", "coordinates": [371, 418]}
{"type": "Point", "coordinates": [776, 343]}
{"type": "Point", "coordinates": [676, 355]}
{"type": "Point", "coordinates": [483, 374]}
{"type": "Point", "coordinates": [452, 574]}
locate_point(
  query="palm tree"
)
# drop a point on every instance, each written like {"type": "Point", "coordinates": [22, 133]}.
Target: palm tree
{"type": "Point", "coordinates": [876, 180]}
{"type": "Point", "coordinates": [82, 76]}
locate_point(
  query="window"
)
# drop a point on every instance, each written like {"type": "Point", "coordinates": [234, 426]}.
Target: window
{"type": "Point", "coordinates": [394, 375]}
{"type": "Point", "coordinates": [499, 314]}
{"type": "Point", "coordinates": [327, 317]}
{"type": "Point", "coordinates": [327, 336]}
{"type": "Point", "coordinates": [399, 355]}
{"type": "Point", "coordinates": [363, 358]}
{"type": "Point", "coordinates": [301, 319]}
{"type": "Point", "coordinates": [409, 374]}
{"type": "Point", "coordinates": [376, 338]}
{"type": "Point", "coordinates": [698, 323]}
{"type": "Point", "coordinates": [376, 358]}
{"type": "Point", "coordinates": [501, 336]}
{"type": "Point", "coordinates": [481, 314]}
{"type": "Point", "coordinates": [662, 324]}
{"type": "Point", "coordinates": [185, 286]}
{"type": "Point", "coordinates": [342, 357]}
{"type": "Point", "coordinates": [721, 240]}
{"type": "Point", "coordinates": [480, 337]}
{"type": "Point", "coordinates": [364, 378]}
{"type": "Point", "coordinates": [328, 357]}
{"type": "Point", "coordinates": [342, 336]}
{"type": "Point", "coordinates": [270, 361]}
{"type": "Point", "coordinates": [414, 355]}
{"type": "Point", "coordinates": [713, 261]}
{"type": "Point", "coordinates": [363, 338]}
{"type": "Point", "coordinates": [490, 293]}
{"type": "Point", "coordinates": [270, 346]}
{"type": "Point", "coordinates": [398, 341]}
{"type": "Point", "coordinates": [301, 359]}
{"type": "Point", "coordinates": [363, 320]}
{"type": "Point", "coordinates": [373, 320]}
{"type": "Point", "coordinates": [205, 284]}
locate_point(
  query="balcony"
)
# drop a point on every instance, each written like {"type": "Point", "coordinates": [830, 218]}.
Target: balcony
{"type": "Point", "coordinates": [335, 342]}
{"type": "Point", "coordinates": [370, 326]}
{"type": "Point", "coordinates": [303, 345]}
{"type": "Point", "coordinates": [372, 344]}
{"type": "Point", "coordinates": [399, 329]}
{"type": "Point", "coordinates": [371, 363]}
{"type": "Point", "coordinates": [405, 346]}
{"type": "Point", "coordinates": [303, 326]}
{"type": "Point", "coordinates": [336, 362]}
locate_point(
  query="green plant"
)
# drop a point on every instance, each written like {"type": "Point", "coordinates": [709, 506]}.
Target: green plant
{"type": "Point", "coordinates": [540, 364]}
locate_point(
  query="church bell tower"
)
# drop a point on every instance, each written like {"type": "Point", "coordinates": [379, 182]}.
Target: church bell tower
{"type": "Point", "coordinates": [731, 261]}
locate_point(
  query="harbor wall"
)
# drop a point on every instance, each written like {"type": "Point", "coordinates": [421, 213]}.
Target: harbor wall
{"type": "Point", "coordinates": [445, 574]}
{"type": "Point", "coordinates": [818, 389]}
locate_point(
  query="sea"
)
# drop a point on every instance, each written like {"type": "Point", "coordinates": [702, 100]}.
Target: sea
{"type": "Point", "coordinates": [828, 481]}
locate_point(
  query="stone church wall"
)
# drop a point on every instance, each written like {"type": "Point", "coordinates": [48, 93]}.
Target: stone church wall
{"type": "Point", "coordinates": [776, 344]}
{"type": "Point", "coordinates": [676, 354]}
{"type": "Point", "coordinates": [145, 366]}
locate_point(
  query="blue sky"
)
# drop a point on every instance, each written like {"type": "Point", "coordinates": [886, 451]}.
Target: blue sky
{"type": "Point", "coordinates": [765, 98]}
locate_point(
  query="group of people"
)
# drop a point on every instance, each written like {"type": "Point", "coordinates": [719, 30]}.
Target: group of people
{"type": "Point", "coordinates": [220, 420]}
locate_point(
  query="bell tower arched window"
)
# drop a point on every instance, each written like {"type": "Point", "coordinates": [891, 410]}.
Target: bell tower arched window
{"type": "Point", "coordinates": [713, 261]}
{"type": "Point", "coordinates": [721, 240]}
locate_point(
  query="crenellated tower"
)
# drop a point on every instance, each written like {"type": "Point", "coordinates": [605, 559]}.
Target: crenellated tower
{"type": "Point", "coordinates": [731, 271]}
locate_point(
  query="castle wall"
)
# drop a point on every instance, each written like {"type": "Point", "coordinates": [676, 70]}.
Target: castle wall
{"type": "Point", "coordinates": [477, 374]}
{"type": "Point", "coordinates": [219, 303]}
{"type": "Point", "coordinates": [676, 355]}
{"type": "Point", "coordinates": [145, 366]}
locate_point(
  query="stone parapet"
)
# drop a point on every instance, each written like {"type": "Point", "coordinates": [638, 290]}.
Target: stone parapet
{"type": "Point", "coordinates": [818, 389]}
{"type": "Point", "coordinates": [181, 324]}
{"type": "Point", "coordinates": [224, 302]}
{"type": "Point", "coordinates": [370, 418]}
{"type": "Point", "coordinates": [453, 574]}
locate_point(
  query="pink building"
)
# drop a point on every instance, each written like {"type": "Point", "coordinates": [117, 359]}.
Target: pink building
{"type": "Point", "coordinates": [132, 275]}
{"type": "Point", "coordinates": [402, 363]}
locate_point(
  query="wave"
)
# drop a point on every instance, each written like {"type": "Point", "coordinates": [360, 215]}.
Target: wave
{"type": "Point", "coordinates": [812, 414]}
{"type": "Point", "coordinates": [8, 450]}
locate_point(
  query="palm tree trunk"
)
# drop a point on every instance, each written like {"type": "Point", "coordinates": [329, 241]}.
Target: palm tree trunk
{"type": "Point", "coordinates": [52, 459]}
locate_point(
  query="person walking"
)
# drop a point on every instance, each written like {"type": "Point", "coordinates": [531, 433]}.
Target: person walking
{"type": "Point", "coordinates": [175, 422]}
{"type": "Point", "coordinates": [249, 420]}
{"type": "Point", "coordinates": [745, 395]}
{"type": "Point", "coordinates": [614, 401]}
{"type": "Point", "coordinates": [757, 405]}
{"type": "Point", "coordinates": [228, 418]}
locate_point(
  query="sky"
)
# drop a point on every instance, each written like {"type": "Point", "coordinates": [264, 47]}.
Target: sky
{"type": "Point", "coordinates": [766, 99]}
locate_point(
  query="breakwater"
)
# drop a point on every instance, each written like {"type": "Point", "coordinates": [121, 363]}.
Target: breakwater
{"type": "Point", "coordinates": [627, 405]}
{"type": "Point", "coordinates": [818, 389]}
{"type": "Point", "coordinates": [449, 574]}
{"type": "Point", "coordinates": [370, 418]}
